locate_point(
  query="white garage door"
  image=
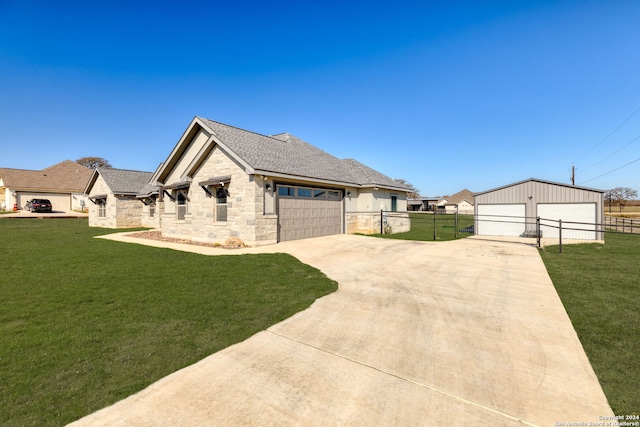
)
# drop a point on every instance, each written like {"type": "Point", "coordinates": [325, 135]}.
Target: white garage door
{"type": "Point", "coordinates": [59, 201]}
{"type": "Point", "coordinates": [308, 212]}
{"type": "Point", "coordinates": [501, 220]}
{"type": "Point", "coordinates": [578, 220]}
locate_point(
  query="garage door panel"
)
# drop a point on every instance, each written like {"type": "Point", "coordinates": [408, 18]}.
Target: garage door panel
{"type": "Point", "coordinates": [303, 217]}
{"type": "Point", "coordinates": [59, 201]}
{"type": "Point", "coordinates": [501, 220]}
{"type": "Point", "coordinates": [578, 219]}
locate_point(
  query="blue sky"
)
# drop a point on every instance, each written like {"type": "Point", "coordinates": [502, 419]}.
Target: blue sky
{"type": "Point", "coordinates": [445, 94]}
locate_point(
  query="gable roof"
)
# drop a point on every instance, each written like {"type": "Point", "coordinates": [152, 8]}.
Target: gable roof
{"type": "Point", "coordinates": [459, 197]}
{"type": "Point", "coordinates": [281, 155]}
{"type": "Point", "coordinates": [121, 181]}
{"type": "Point", "coordinates": [561, 184]}
{"type": "Point", "coordinates": [64, 176]}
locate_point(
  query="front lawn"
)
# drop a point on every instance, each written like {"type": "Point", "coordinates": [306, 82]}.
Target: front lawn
{"type": "Point", "coordinates": [600, 288]}
{"type": "Point", "coordinates": [85, 322]}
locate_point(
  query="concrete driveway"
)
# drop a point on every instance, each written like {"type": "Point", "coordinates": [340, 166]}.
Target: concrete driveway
{"type": "Point", "coordinates": [468, 332]}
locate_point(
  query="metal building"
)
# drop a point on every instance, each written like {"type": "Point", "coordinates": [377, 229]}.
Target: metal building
{"type": "Point", "coordinates": [512, 210]}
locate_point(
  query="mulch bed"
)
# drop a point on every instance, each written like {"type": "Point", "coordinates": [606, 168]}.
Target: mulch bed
{"type": "Point", "coordinates": [157, 235]}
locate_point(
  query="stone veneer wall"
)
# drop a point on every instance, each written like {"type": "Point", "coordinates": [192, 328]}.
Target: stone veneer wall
{"type": "Point", "coordinates": [245, 218]}
{"type": "Point", "coordinates": [369, 222]}
{"type": "Point", "coordinates": [128, 212]}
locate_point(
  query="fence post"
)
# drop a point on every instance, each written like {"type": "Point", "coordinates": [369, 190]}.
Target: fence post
{"type": "Point", "coordinates": [538, 230]}
{"type": "Point", "coordinates": [434, 225]}
{"type": "Point", "coordinates": [381, 222]}
{"type": "Point", "coordinates": [560, 233]}
{"type": "Point", "coordinates": [455, 224]}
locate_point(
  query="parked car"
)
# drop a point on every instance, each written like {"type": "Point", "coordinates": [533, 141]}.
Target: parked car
{"type": "Point", "coordinates": [38, 205]}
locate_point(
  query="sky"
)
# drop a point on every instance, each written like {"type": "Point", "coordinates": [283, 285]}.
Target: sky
{"type": "Point", "coordinates": [444, 94]}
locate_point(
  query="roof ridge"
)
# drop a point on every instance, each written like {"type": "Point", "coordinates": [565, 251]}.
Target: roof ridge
{"type": "Point", "coordinates": [246, 130]}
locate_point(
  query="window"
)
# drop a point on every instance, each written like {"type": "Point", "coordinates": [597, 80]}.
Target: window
{"type": "Point", "coordinates": [102, 208]}
{"type": "Point", "coordinates": [221, 204]}
{"type": "Point", "coordinates": [152, 210]}
{"type": "Point", "coordinates": [181, 201]}
{"type": "Point", "coordinates": [286, 191]}
{"type": "Point", "coordinates": [322, 194]}
{"type": "Point", "coordinates": [304, 192]}
{"type": "Point", "coordinates": [394, 203]}
{"type": "Point", "coordinates": [335, 195]}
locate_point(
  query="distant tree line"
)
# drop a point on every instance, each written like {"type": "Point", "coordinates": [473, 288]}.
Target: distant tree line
{"type": "Point", "coordinates": [619, 196]}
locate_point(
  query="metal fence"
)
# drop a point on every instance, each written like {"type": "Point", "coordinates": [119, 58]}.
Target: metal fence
{"type": "Point", "coordinates": [624, 225]}
{"type": "Point", "coordinates": [531, 230]}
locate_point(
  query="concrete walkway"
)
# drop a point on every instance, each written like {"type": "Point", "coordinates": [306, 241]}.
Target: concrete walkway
{"type": "Point", "coordinates": [467, 332]}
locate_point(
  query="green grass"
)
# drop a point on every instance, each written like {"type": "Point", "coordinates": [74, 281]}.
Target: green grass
{"type": "Point", "coordinates": [86, 322]}
{"type": "Point", "coordinates": [600, 288]}
{"type": "Point", "coordinates": [422, 226]}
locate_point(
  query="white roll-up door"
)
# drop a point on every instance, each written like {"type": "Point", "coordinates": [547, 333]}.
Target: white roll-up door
{"type": "Point", "coordinates": [578, 220]}
{"type": "Point", "coordinates": [501, 220]}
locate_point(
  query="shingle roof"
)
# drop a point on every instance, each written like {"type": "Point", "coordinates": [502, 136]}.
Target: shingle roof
{"type": "Point", "coordinates": [122, 181]}
{"type": "Point", "coordinates": [287, 154]}
{"type": "Point", "coordinates": [457, 198]}
{"type": "Point", "coordinates": [64, 176]}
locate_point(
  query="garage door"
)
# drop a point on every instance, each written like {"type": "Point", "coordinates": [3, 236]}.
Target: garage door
{"type": "Point", "coordinates": [578, 220]}
{"type": "Point", "coordinates": [501, 220]}
{"type": "Point", "coordinates": [305, 212]}
{"type": "Point", "coordinates": [59, 201]}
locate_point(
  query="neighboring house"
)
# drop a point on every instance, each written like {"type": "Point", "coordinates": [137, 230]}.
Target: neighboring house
{"type": "Point", "coordinates": [422, 203]}
{"type": "Point", "coordinates": [461, 202]}
{"type": "Point", "coordinates": [512, 210]}
{"type": "Point", "coordinates": [220, 181]}
{"type": "Point", "coordinates": [113, 199]}
{"type": "Point", "coordinates": [61, 183]}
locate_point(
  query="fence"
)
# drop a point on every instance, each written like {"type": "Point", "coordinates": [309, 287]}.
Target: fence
{"type": "Point", "coordinates": [531, 230]}
{"type": "Point", "coordinates": [624, 225]}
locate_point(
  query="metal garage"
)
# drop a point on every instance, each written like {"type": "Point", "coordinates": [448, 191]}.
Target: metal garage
{"type": "Point", "coordinates": [59, 201]}
{"type": "Point", "coordinates": [579, 208]}
{"type": "Point", "coordinates": [305, 212]}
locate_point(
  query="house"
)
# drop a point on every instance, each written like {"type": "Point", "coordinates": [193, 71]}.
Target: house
{"type": "Point", "coordinates": [114, 201]}
{"type": "Point", "coordinates": [512, 210]}
{"type": "Point", "coordinates": [461, 202]}
{"type": "Point", "coordinates": [62, 183]}
{"type": "Point", "coordinates": [422, 203]}
{"type": "Point", "coordinates": [220, 181]}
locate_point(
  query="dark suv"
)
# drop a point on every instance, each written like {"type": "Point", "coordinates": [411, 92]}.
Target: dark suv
{"type": "Point", "coordinates": [38, 205]}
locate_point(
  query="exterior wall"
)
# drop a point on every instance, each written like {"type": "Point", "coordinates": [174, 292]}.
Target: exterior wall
{"type": "Point", "coordinates": [531, 193]}
{"type": "Point", "coordinates": [79, 202]}
{"type": "Point", "coordinates": [109, 221]}
{"type": "Point", "coordinates": [245, 207]}
{"type": "Point", "coordinates": [194, 147]}
{"type": "Point", "coordinates": [148, 221]}
{"type": "Point", "coordinates": [362, 211]}
{"type": "Point", "coordinates": [464, 208]}
{"type": "Point", "coordinates": [121, 211]}
{"type": "Point", "coordinates": [128, 211]}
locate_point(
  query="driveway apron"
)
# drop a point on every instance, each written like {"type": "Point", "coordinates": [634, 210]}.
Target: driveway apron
{"type": "Point", "coordinates": [468, 332]}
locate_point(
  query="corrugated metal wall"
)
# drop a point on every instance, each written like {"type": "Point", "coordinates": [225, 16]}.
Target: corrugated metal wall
{"type": "Point", "coordinates": [533, 192]}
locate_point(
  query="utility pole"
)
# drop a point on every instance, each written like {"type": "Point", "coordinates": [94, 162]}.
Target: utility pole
{"type": "Point", "coordinates": [573, 174]}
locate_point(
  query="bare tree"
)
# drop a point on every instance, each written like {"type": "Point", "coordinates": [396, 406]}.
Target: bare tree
{"type": "Point", "coordinates": [413, 192]}
{"type": "Point", "coordinates": [619, 196]}
{"type": "Point", "coordinates": [94, 162]}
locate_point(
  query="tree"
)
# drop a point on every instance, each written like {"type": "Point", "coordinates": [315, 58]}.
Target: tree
{"type": "Point", "coordinates": [94, 162]}
{"type": "Point", "coordinates": [619, 195]}
{"type": "Point", "coordinates": [413, 192]}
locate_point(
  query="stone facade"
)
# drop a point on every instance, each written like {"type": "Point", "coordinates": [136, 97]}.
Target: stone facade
{"type": "Point", "coordinates": [120, 211]}
{"type": "Point", "coordinates": [245, 207]}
